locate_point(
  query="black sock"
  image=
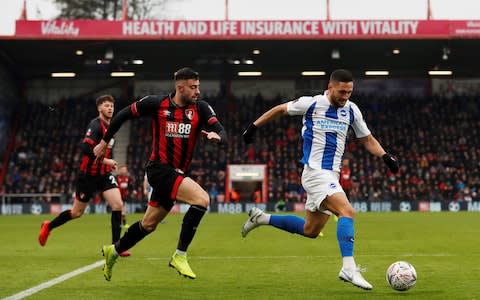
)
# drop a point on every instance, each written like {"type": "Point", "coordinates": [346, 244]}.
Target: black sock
{"type": "Point", "coordinates": [189, 226]}
{"type": "Point", "coordinates": [61, 219]}
{"type": "Point", "coordinates": [134, 234]}
{"type": "Point", "coordinates": [116, 221]}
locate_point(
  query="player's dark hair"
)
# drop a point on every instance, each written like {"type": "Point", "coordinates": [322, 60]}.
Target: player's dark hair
{"type": "Point", "coordinates": [185, 74]}
{"type": "Point", "coordinates": [104, 98]}
{"type": "Point", "coordinates": [341, 75]}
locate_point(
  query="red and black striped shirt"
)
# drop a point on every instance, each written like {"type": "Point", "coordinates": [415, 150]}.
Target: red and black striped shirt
{"type": "Point", "coordinates": [93, 136]}
{"type": "Point", "coordinates": [175, 129]}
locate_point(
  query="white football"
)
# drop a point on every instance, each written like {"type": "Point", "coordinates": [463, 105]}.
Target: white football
{"type": "Point", "coordinates": [401, 276]}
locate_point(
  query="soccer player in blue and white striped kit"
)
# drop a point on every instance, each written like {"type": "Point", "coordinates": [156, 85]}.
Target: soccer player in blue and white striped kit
{"type": "Point", "coordinates": [326, 120]}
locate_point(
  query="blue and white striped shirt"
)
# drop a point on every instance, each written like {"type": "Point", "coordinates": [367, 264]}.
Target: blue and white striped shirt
{"type": "Point", "coordinates": [325, 129]}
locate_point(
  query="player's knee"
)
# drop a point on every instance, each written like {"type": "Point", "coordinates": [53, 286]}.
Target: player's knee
{"type": "Point", "coordinates": [149, 226]}
{"type": "Point", "coordinates": [348, 211]}
{"type": "Point", "coordinates": [352, 212]}
{"type": "Point", "coordinates": [312, 232]}
{"type": "Point", "coordinates": [76, 213]}
{"type": "Point", "coordinates": [116, 206]}
{"type": "Point", "coordinates": [203, 199]}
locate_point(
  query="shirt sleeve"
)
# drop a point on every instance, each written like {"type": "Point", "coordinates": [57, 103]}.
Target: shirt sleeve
{"type": "Point", "coordinates": [299, 106]}
{"type": "Point", "coordinates": [209, 117]}
{"type": "Point", "coordinates": [146, 106]}
{"type": "Point", "coordinates": [210, 121]}
{"type": "Point", "coordinates": [93, 134]}
{"type": "Point", "coordinates": [359, 126]}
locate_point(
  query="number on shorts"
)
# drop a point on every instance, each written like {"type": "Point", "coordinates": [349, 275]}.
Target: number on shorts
{"type": "Point", "coordinates": [113, 180]}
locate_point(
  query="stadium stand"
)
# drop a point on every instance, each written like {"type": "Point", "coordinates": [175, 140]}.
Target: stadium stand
{"type": "Point", "coordinates": [434, 137]}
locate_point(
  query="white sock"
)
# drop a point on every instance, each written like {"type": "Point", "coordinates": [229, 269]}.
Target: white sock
{"type": "Point", "coordinates": [349, 263]}
{"type": "Point", "coordinates": [115, 251]}
{"type": "Point", "coordinates": [264, 219]}
{"type": "Point", "coordinates": [180, 252]}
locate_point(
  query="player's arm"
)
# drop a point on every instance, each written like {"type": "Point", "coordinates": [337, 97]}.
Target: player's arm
{"type": "Point", "coordinates": [296, 107]}
{"type": "Point", "coordinates": [137, 109]}
{"type": "Point", "coordinates": [91, 138]}
{"type": "Point", "coordinates": [214, 130]}
{"type": "Point", "coordinates": [373, 146]}
{"type": "Point", "coordinates": [272, 114]}
{"type": "Point", "coordinates": [370, 142]}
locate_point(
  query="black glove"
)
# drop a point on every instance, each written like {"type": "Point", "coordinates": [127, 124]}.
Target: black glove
{"type": "Point", "coordinates": [391, 162]}
{"type": "Point", "coordinates": [249, 133]}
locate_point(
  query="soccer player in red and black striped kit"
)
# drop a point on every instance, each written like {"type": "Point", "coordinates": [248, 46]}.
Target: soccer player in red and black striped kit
{"type": "Point", "coordinates": [177, 120]}
{"type": "Point", "coordinates": [93, 176]}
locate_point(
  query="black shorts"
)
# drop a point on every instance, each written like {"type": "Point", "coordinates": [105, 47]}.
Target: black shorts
{"type": "Point", "coordinates": [165, 181]}
{"type": "Point", "coordinates": [87, 185]}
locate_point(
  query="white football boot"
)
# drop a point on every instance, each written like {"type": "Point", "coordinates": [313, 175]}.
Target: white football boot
{"type": "Point", "coordinates": [252, 221]}
{"type": "Point", "coordinates": [355, 277]}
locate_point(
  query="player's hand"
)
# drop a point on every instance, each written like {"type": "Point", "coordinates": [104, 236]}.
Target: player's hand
{"type": "Point", "coordinates": [99, 150]}
{"type": "Point", "coordinates": [249, 133]}
{"type": "Point", "coordinates": [111, 163]}
{"type": "Point", "coordinates": [391, 162]}
{"type": "Point", "coordinates": [211, 136]}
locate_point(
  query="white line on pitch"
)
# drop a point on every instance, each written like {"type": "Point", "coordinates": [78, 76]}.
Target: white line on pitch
{"type": "Point", "coordinates": [54, 281]}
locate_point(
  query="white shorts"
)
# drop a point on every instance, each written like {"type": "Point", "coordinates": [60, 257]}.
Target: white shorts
{"type": "Point", "coordinates": [319, 184]}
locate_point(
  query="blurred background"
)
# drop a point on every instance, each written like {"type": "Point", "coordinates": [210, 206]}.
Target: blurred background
{"type": "Point", "coordinates": [417, 81]}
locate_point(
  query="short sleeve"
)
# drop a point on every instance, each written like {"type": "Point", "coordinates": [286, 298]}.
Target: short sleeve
{"type": "Point", "coordinates": [93, 133]}
{"type": "Point", "coordinates": [359, 126]}
{"type": "Point", "coordinates": [299, 106]}
{"type": "Point", "coordinates": [207, 113]}
{"type": "Point", "coordinates": [145, 106]}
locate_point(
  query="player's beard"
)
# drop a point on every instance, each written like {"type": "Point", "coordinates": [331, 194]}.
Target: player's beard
{"type": "Point", "coordinates": [337, 102]}
{"type": "Point", "coordinates": [188, 100]}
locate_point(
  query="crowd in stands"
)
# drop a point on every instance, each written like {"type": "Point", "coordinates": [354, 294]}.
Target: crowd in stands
{"type": "Point", "coordinates": [46, 155]}
{"type": "Point", "coordinates": [435, 139]}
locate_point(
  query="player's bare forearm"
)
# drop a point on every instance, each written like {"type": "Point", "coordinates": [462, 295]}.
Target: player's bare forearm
{"type": "Point", "coordinates": [271, 114]}
{"type": "Point", "coordinates": [99, 150]}
{"type": "Point", "coordinates": [372, 145]}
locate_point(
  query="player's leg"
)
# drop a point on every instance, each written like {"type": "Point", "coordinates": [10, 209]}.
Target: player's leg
{"type": "Point", "coordinates": [135, 233]}
{"type": "Point", "coordinates": [310, 227]}
{"type": "Point", "coordinates": [114, 199]}
{"type": "Point", "coordinates": [189, 192]}
{"type": "Point", "coordinates": [339, 203]}
{"type": "Point", "coordinates": [82, 195]}
{"type": "Point", "coordinates": [316, 218]}
{"type": "Point", "coordinates": [124, 214]}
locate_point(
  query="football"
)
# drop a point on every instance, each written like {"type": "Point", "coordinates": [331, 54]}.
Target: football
{"type": "Point", "coordinates": [401, 276]}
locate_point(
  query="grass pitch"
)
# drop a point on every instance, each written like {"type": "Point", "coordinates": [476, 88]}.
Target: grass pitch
{"type": "Point", "coordinates": [268, 264]}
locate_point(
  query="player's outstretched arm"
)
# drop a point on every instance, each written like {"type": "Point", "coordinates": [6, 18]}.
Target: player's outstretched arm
{"type": "Point", "coordinates": [268, 116]}
{"type": "Point", "coordinates": [374, 147]}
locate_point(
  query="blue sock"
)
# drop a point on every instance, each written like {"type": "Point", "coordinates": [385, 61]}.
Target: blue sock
{"type": "Point", "coordinates": [291, 224]}
{"type": "Point", "coordinates": [345, 236]}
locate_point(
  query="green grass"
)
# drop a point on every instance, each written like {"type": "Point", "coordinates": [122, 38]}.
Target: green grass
{"type": "Point", "coordinates": [268, 264]}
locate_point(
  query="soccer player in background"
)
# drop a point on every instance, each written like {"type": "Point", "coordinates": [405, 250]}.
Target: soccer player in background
{"type": "Point", "coordinates": [326, 120]}
{"type": "Point", "coordinates": [177, 120]}
{"type": "Point", "coordinates": [93, 176]}
{"type": "Point", "coordinates": [124, 184]}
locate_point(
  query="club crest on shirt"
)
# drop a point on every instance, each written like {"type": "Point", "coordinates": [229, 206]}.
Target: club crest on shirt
{"type": "Point", "coordinates": [343, 113]}
{"type": "Point", "coordinates": [189, 113]}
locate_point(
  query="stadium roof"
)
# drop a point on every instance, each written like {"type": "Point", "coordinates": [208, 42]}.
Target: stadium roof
{"type": "Point", "coordinates": [30, 59]}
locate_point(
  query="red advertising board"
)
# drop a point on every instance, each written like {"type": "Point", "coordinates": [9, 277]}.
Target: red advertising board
{"type": "Point", "coordinates": [247, 30]}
